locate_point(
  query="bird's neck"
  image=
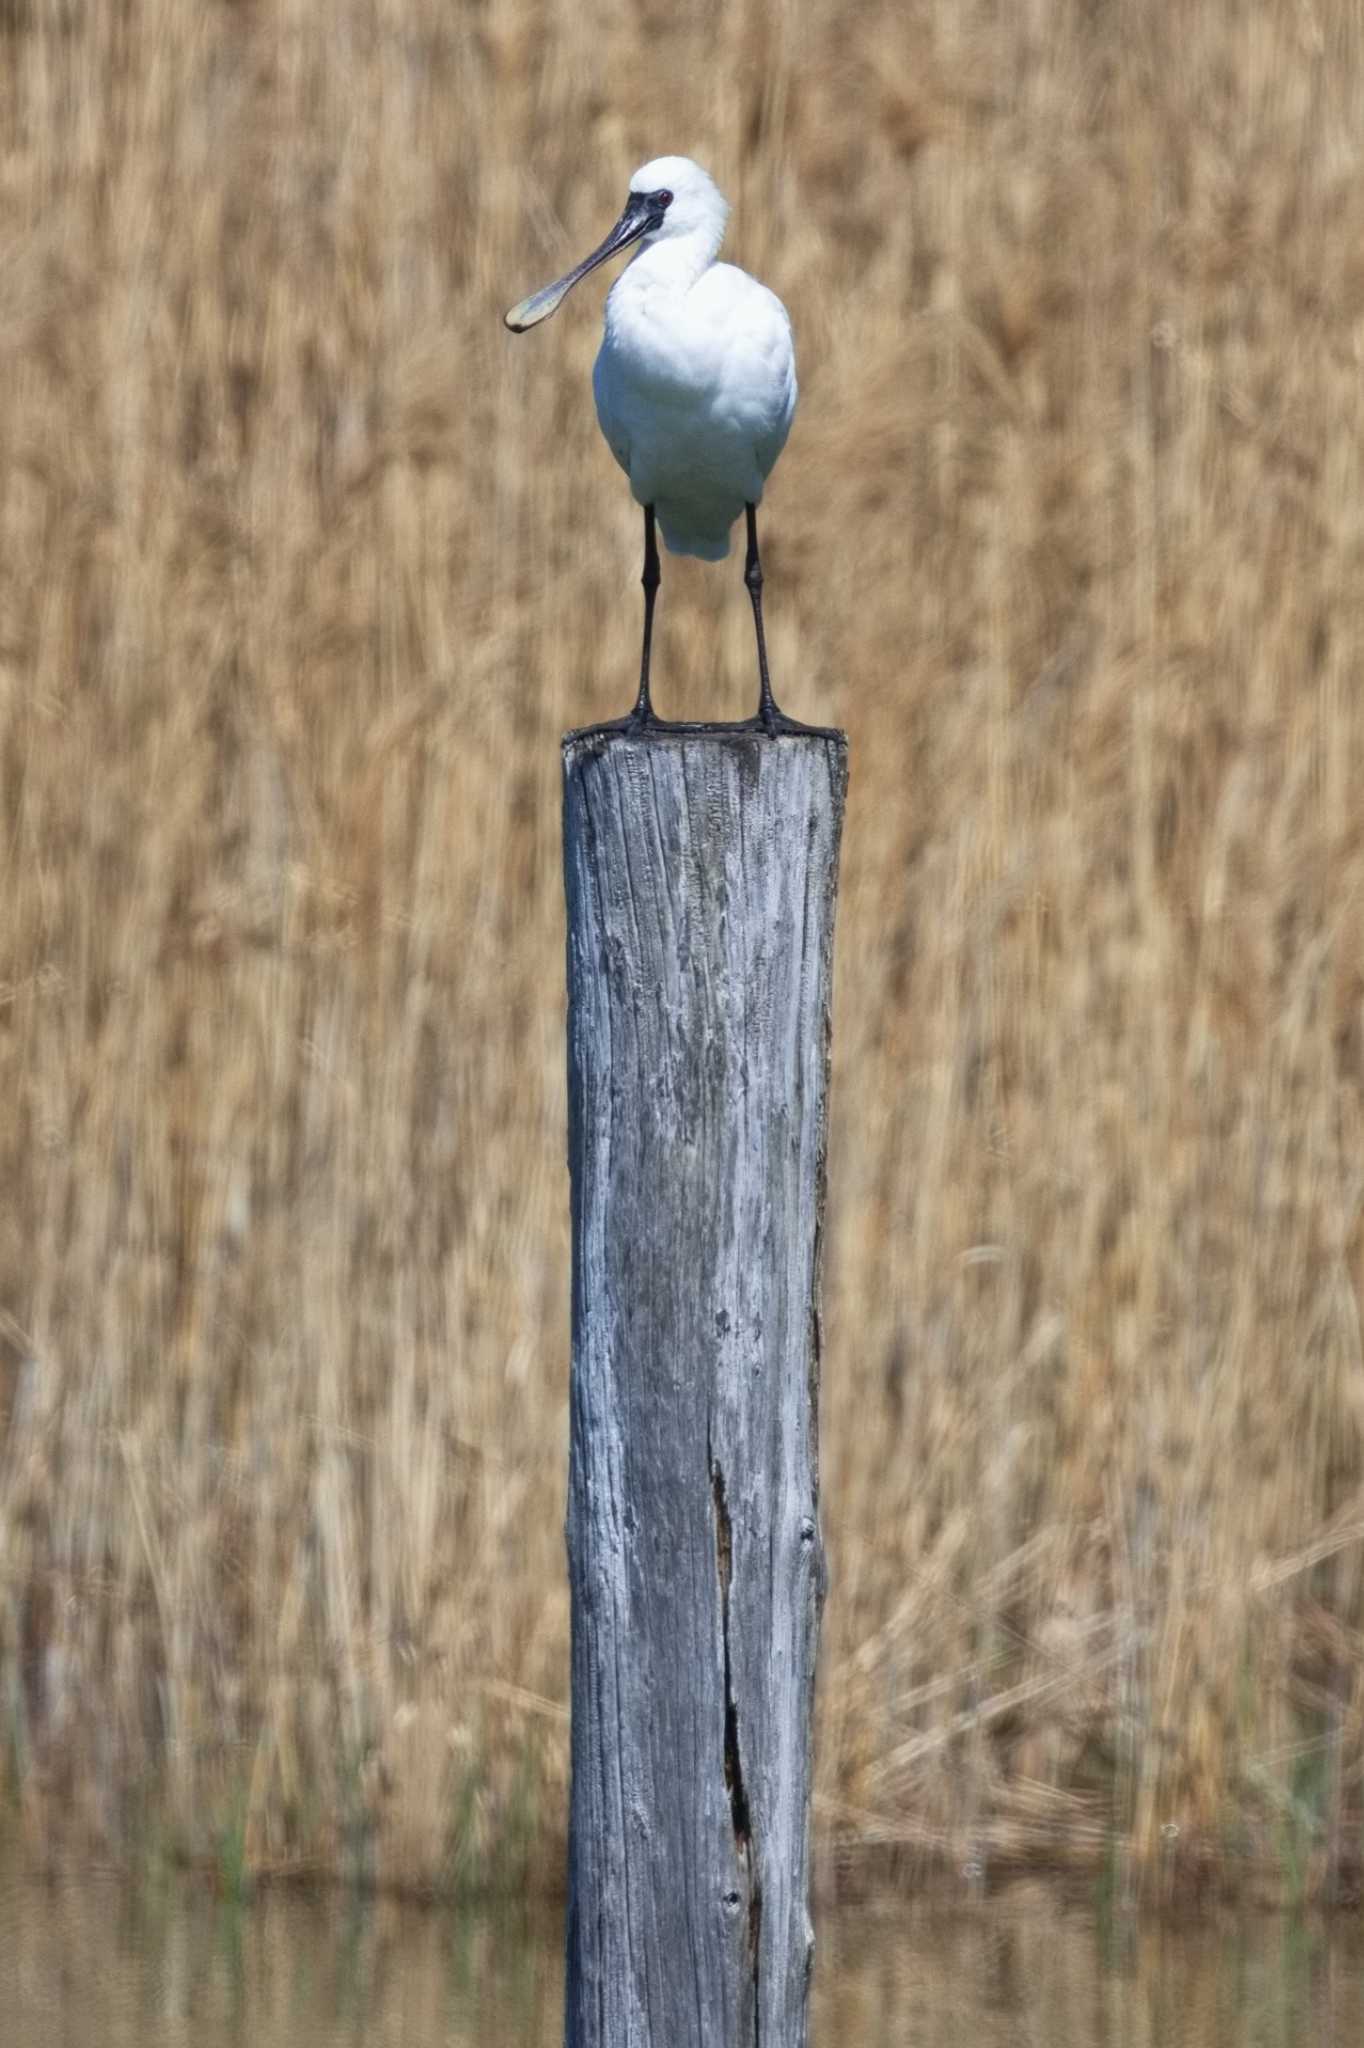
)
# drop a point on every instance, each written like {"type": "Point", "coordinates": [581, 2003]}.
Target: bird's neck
{"type": "Point", "coordinates": [673, 263]}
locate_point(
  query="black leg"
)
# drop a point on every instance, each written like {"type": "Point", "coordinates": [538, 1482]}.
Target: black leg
{"type": "Point", "coordinates": [643, 712]}
{"type": "Point", "coordinates": [753, 576]}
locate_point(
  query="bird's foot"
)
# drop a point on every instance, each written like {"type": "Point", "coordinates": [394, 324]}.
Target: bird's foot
{"type": "Point", "coordinates": [643, 718]}
{"type": "Point", "coordinates": [774, 724]}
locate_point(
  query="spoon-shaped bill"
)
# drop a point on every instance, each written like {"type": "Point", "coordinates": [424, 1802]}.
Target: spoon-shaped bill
{"type": "Point", "coordinates": [638, 218]}
{"type": "Point", "coordinates": [540, 304]}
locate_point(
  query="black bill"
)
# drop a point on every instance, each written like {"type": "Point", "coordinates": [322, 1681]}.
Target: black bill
{"type": "Point", "coordinates": [638, 218]}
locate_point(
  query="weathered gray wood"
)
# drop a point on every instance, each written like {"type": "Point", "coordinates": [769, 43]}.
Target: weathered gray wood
{"type": "Point", "coordinates": [701, 871]}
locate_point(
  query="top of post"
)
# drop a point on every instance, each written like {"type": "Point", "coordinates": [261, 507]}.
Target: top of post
{"type": "Point", "coordinates": [596, 739]}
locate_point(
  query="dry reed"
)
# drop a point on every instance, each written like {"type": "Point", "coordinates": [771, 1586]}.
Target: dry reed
{"type": "Point", "coordinates": [304, 565]}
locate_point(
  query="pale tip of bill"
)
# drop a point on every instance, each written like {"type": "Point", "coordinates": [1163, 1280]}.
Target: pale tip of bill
{"type": "Point", "coordinates": [530, 312]}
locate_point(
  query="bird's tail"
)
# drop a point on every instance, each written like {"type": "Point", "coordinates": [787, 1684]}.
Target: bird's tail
{"type": "Point", "coordinates": [681, 539]}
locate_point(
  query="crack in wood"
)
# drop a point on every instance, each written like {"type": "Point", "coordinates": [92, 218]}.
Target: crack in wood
{"type": "Point", "coordinates": [740, 1815]}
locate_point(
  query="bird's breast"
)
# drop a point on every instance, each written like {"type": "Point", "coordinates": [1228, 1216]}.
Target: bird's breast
{"type": "Point", "coordinates": [686, 365]}
{"type": "Point", "coordinates": [695, 391]}
{"type": "Point", "coordinates": [654, 346]}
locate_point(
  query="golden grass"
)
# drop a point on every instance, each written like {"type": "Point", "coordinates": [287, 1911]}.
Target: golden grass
{"type": "Point", "coordinates": [305, 564]}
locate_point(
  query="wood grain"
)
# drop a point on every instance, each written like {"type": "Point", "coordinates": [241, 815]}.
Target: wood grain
{"type": "Point", "coordinates": [701, 869]}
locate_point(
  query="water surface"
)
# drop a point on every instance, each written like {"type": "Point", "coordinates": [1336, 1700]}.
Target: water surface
{"type": "Point", "coordinates": [98, 1963]}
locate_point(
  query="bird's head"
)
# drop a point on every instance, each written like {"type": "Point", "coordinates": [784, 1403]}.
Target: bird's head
{"type": "Point", "coordinates": [679, 198]}
{"type": "Point", "coordinates": [668, 198]}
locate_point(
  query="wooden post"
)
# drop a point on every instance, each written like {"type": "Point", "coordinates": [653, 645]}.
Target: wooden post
{"type": "Point", "coordinates": [701, 867]}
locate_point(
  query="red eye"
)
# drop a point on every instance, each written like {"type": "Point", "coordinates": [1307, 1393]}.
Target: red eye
{"type": "Point", "coordinates": [663, 198]}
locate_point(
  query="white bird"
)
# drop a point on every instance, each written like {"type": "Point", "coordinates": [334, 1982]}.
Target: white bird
{"type": "Point", "coordinates": [695, 384]}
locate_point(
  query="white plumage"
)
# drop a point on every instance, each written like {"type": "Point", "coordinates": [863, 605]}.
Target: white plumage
{"type": "Point", "coordinates": [695, 382]}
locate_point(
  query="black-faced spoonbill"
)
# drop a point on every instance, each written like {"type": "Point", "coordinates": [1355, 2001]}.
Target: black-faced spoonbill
{"type": "Point", "coordinates": [695, 384]}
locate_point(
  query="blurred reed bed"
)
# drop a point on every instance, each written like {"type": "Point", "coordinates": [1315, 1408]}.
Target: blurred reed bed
{"type": "Point", "coordinates": [304, 566]}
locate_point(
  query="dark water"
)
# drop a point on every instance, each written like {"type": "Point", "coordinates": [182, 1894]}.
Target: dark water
{"type": "Point", "coordinates": [97, 1964]}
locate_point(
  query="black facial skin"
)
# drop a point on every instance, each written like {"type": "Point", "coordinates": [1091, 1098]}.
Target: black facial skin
{"type": "Point", "coordinates": [650, 205]}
